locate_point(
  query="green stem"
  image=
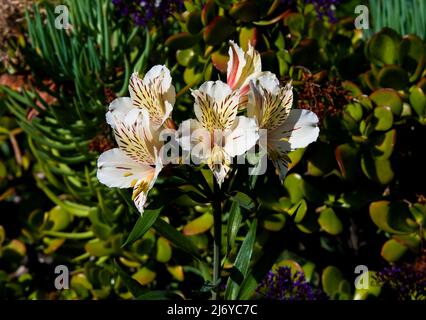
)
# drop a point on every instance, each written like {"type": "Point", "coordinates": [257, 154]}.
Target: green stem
{"type": "Point", "coordinates": [217, 229]}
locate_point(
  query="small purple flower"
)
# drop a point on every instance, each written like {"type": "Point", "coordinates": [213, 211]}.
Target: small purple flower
{"type": "Point", "coordinates": [145, 12]}
{"type": "Point", "coordinates": [282, 284]}
{"type": "Point", "coordinates": [406, 281]}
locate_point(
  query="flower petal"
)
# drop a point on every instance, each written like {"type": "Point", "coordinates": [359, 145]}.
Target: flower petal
{"type": "Point", "coordinates": [142, 187]}
{"type": "Point", "coordinates": [219, 163]}
{"type": "Point", "coordinates": [118, 109]}
{"type": "Point", "coordinates": [116, 170]}
{"type": "Point", "coordinates": [300, 128]}
{"type": "Point", "coordinates": [269, 103]}
{"type": "Point", "coordinates": [235, 64]}
{"type": "Point", "coordinates": [216, 105]}
{"type": "Point", "coordinates": [242, 65]}
{"type": "Point", "coordinates": [242, 137]}
{"type": "Point", "coordinates": [135, 138]}
{"type": "Point", "coordinates": [155, 93]}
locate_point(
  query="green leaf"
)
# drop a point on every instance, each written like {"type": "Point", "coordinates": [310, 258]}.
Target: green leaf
{"type": "Point", "coordinates": [387, 98]}
{"type": "Point", "coordinates": [392, 250]}
{"type": "Point", "coordinates": [176, 238]}
{"type": "Point", "coordinates": [418, 101]}
{"type": "Point", "coordinates": [234, 221]}
{"type": "Point", "coordinates": [330, 222]}
{"type": "Point", "coordinates": [383, 118]}
{"type": "Point", "coordinates": [331, 278]}
{"type": "Point", "coordinates": [134, 287]}
{"type": "Point", "coordinates": [218, 30]}
{"type": "Point", "coordinates": [241, 264]}
{"type": "Point", "coordinates": [243, 200]}
{"type": "Point", "coordinates": [164, 250]}
{"type": "Point", "coordinates": [393, 77]}
{"type": "Point", "coordinates": [143, 224]}
{"type": "Point", "coordinates": [347, 158]}
{"type": "Point", "coordinates": [199, 225]}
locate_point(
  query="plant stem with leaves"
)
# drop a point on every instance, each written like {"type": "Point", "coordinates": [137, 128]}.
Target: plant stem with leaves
{"type": "Point", "coordinates": [217, 230]}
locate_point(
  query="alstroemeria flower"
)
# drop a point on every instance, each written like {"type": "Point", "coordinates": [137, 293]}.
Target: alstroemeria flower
{"type": "Point", "coordinates": [136, 162]}
{"type": "Point", "coordinates": [242, 67]}
{"type": "Point", "coordinates": [287, 129]}
{"type": "Point", "coordinates": [217, 134]}
{"type": "Point", "coordinates": [154, 92]}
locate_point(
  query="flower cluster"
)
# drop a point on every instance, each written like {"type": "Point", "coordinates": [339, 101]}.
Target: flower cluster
{"type": "Point", "coordinates": [283, 284]}
{"type": "Point", "coordinates": [145, 11]}
{"type": "Point", "coordinates": [406, 281]}
{"type": "Point", "coordinates": [231, 118]}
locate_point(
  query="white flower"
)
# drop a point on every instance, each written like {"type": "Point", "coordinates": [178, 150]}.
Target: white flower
{"type": "Point", "coordinates": [217, 134]}
{"type": "Point", "coordinates": [154, 92]}
{"type": "Point", "coordinates": [136, 162]}
{"type": "Point", "coordinates": [242, 68]}
{"type": "Point", "coordinates": [287, 129]}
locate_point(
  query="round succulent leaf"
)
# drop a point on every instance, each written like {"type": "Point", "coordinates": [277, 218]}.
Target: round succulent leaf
{"type": "Point", "coordinates": [274, 222]}
{"type": "Point", "coordinates": [81, 285]}
{"type": "Point", "coordinates": [350, 86]}
{"type": "Point", "coordinates": [199, 225]}
{"type": "Point", "coordinates": [98, 248]}
{"type": "Point", "coordinates": [393, 76]}
{"type": "Point", "coordinates": [248, 35]}
{"type": "Point", "coordinates": [245, 11]}
{"type": "Point", "coordinates": [186, 58]}
{"type": "Point", "coordinates": [330, 279]}
{"type": "Point", "coordinates": [218, 30]}
{"type": "Point", "coordinates": [181, 41]}
{"type": "Point", "coordinates": [377, 169]}
{"type": "Point", "coordinates": [191, 76]}
{"type": "Point", "coordinates": [391, 216]}
{"type": "Point", "coordinates": [386, 97]}
{"type": "Point", "coordinates": [144, 276]}
{"type": "Point", "coordinates": [418, 101]}
{"type": "Point", "coordinates": [382, 48]}
{"type": "Point", "coordinates": [164, 250]}
{"type": "Point", "coordinates": [295, 156]}
{"type": "Point", "coordinates": [177, 272]}
{"type": "Point", "coordinates": [354, 110]}
{"type": "Point", "coordinates": [383, 144]}
{"type": "Point", "coordinates": [382, 119]}
{"type": "Point", "coordinates": [59, 218]}
{"type": "Point", "coordinates": [330, 222]}
{"type": "Point", "coordinates": [392, 250]}
{"type": "Point", "coordinates": [220, 61]}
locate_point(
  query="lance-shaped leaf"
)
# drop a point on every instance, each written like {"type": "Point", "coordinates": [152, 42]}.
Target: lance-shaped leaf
{"type": "Point", "coordinates": [176, 238]}
{"type": "Point", "coordinates": [241, 265]}
{"type": "Point", "coordinates": [143, 224]}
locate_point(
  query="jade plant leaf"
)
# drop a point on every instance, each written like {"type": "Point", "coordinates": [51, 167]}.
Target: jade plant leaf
{"type": "Point", "coordinates": [387, 98]}
{"type": "Point", "coordinates": [330, 279]}
{"type": "Point", "coordinates": [392, 250]}
{"type": "Point", "coordinates": [330, 222]}
{"type": "Point", "coordinates": [199, 225]}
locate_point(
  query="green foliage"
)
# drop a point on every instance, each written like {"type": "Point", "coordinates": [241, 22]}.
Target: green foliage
{"type": "Point", "coordinates": [347, 199]}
